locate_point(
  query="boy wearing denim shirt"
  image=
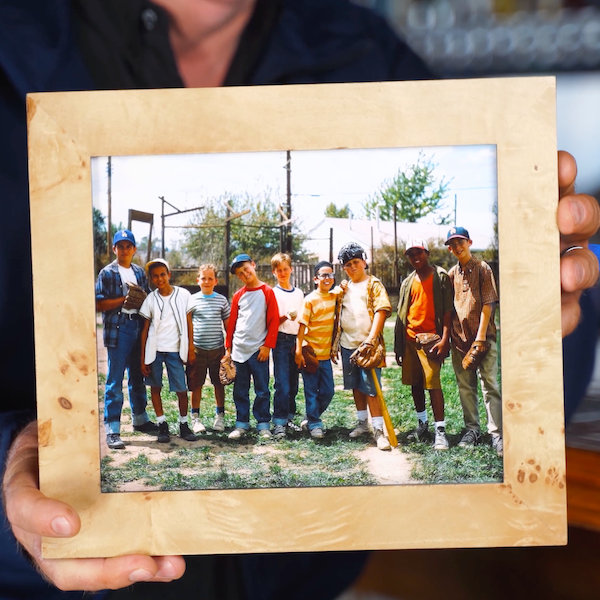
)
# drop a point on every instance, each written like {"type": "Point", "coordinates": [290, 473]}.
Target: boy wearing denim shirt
{"type": "Point", "coordinates": [251, 334]}
{"type": "Point", "coordinates": [316, 330]}
{"type": "Point", "coordinates": [121, 332]}
{"type": "Point", "coordinates": [167, 339]}
{"type": "Point", "coordinates": [285, 373]}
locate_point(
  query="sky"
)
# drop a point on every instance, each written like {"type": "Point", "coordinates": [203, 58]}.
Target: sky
{"type": "Point", "coordinates": [317, 178]}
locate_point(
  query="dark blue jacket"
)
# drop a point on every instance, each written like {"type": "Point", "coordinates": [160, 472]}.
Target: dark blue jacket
{"type": "Point", "coordinates": [314, 41]}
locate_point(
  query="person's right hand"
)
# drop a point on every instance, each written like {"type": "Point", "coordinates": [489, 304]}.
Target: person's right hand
{"type": "Point", "coordinates": [32, 515]}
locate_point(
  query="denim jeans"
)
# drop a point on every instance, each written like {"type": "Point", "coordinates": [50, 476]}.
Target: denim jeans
{"type": "Point", "coordinates": [259, 371]}
{"type": "Point", "coordinates": [125, 357]}
{"type": "Point", "coordinates": [318, 392]}
{"type": "Point", "coordinates": [285, 373]}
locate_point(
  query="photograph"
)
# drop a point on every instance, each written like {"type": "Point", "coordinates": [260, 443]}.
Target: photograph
{"type": "Point", "coordinates": [396, 220]}
{"type": "Point", "coordinates": [419, 224]}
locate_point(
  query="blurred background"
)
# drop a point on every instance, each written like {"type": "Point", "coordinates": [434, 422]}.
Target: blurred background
{"type": "Point", "coordinates": [498, 38]}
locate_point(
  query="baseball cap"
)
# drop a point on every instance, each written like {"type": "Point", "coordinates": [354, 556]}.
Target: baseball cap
{"type": "Point", "coordinates": [124, 236]}
{"type": "Point", "coordinates": [417, 242]}
{"type": "Point", "coordinates": [158, 261]}
{"type": "Point", "coordinates": [457, 232]}
{"type": "Point", "coordinates": [237, 261]}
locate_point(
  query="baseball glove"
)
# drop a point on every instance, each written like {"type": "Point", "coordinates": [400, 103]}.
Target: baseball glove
{"type": "Point", "coordinates": [311, 362]}
{"type": "Point", "coordinates": [475, 355]}
{"type": "Point", "coordinates": [135, 297]}
{"type": "Point", "coordinates": [226, 370]}
{"type": "Point", "coordinates": [426, 341]}
{"type": "Point", "coordinates": [368, 356]}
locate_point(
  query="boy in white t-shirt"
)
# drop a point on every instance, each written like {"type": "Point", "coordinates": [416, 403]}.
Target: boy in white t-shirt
{"type": "Point", "coordinates": [365, 307]}
{"type": "Point", "coordinates": [167, 338]}
{"type": "Point", "coordinates": [285, 372]}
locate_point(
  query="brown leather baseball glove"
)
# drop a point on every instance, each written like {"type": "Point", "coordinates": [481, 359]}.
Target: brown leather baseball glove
{"type": "Point", "coordinates": [368, 356]}
{"type": "Point", "coordinates": [475, 355]}
{"type": "Point", "coordinates": [311, 362]}
{"type": "Point", "coordinates": [226, 370]}
{"type": "Point", "coordinates": [135, 297]}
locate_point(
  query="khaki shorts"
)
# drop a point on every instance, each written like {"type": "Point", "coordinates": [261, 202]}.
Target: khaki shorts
{"type": "Point", "coordinates": [418, 369]}
{"type": "Point", "coordinates": [206, 360]}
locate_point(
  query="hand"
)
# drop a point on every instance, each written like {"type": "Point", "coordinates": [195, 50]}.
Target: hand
{"type": "Point", "coordinates": [146, 370]}
{"type": "Point", "coordinates": [191, 357]}
{"type": "Point", "coordinates": [292, 315]}
{"type": "Point", "coordinates": [299, 360]}
{"type": "Point", "coordinates": [344, 285]}
{"type": "Point", "coordinates": [263, 354]}
{"type": "Point", "coordinates": [32, 515]}
{"type": "Point", "coordinates": [578, 218]}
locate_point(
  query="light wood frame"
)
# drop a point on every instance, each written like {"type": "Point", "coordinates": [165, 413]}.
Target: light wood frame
{"type": "Point", "coordinates": [517, 115]}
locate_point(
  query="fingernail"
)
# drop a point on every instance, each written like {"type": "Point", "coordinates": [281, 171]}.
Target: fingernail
{"type": "Point", "coordinates": [167, 571]}
{"type": "Point", "coordinates": [140, 575]}
{"type": "Point", "coordinates": [61, 526]}
{"type": "Point", "coordinates": [577, 211]}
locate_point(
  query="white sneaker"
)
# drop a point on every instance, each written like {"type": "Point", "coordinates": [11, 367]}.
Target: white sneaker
{"type": "Point", "coordinates": [361, 428]}
{"type": "Point", "coordinates": [219, 424]}
{"type": "Point", "coordinates": [441, 441]}
{"type": "Point", "coordinates": [237, 434]}
{"type": "Point", "coordinates": [264, 434]}
{"type": "Point", "coordinates": [197, 426]}
{"type": "Point", "coordinates": [381, 440]}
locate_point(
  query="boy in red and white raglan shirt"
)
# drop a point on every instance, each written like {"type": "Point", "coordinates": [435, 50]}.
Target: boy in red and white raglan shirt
{"type": "Point", "coordinates": [251, 334]}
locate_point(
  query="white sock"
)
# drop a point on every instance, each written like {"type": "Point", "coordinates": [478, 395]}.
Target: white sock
{"type": "Point", "coordinates": [422, 416]}
{"type": "Point", "coordinates": [161, 419]}
{"type": "Point", "coordinates": [183, 418]}
{"type": "Point", "coordinates": [362, 415]}
{"type": "Point", "coordinates": [377, 423]}
{"type": "Point", "coordinates": [440, 424]}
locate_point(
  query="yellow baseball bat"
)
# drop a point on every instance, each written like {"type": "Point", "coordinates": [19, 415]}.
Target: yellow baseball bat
{"type": "Point", "coordinates": [386, 415]}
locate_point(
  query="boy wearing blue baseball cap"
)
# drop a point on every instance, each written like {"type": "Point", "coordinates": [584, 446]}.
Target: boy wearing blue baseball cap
{"type": "Point", "coordinates": [121, 288]}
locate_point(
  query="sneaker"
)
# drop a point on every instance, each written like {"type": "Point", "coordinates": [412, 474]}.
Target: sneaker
{"type": "Point", "coordinates": [185, 433]}
{"type": "Point", "coordinates": [114, 441]}
{"type": "Point", "coordinates": [264, 434]}
{"type": "Point", "coordinates": [470, 439]}
{"type": "Point", "coordinates": [361, 428]}
{"type": "Point", "coordinates": [219, 424]}
{"type": "Point", "coordinates": [304, 424]}
{"type": "Point", "coordinates": [441, 441]}
{"type": "Point", "coordinates": [421, 433]}
{"type": "Point", "coordinates": [237, 434]}
{"type": "Point", "coordinates": [147, 427]}
{"type": "Point", "coordinates": [197, 425]}
{"type": "Point", "coordinates": [317, 433]}
{"type": "Point", "coordinates": [163, 433]}
{"type": "Point", "coordinates": [279, 432]}
{"type": "Point", "coordinates": [293, 428]}
{"type": "Point", "coordinates": [381, 441]}
{"type": "Point", "coordinates": [498, 445]}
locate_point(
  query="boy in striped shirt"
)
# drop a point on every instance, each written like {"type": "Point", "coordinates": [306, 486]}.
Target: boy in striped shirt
{"type": "Point", "coordinates": [210, 312]}
{"type": "Point", "coordinates": [316, 329]}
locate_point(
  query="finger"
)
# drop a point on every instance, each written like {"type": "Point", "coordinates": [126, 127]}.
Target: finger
{"type": "Point", "coordinates": [578, 218]}
{"type": "Point", "coordinates": [567, 172]}
{"type": "Point", "coordinates": [578, 270]}
{"type": "Point", "coordinates": [92, 574]}
{"type": "Point", "coordinates": [570, 312]}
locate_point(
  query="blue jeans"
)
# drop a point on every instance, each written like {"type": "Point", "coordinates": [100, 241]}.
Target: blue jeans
{"type": "Point", "coordinates": [259, 371]}
{"type": "Point", "coordinates": [356, 378]}
{"type": "Point", "coordinates": [318, 392]}
{"type": "Point", "coordinates": [285, 373]}
{"type": "Point", "coordinates": [125, 356]}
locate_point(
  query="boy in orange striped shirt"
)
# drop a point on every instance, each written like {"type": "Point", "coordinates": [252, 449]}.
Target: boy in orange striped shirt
{"type": "Point", "coordinates": [316, 329]}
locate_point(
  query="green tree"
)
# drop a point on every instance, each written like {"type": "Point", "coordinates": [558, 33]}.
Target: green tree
{"type": "Point", "coordinates": [331, 210]}
{"type": "Point", "coordinates": [413, 190]}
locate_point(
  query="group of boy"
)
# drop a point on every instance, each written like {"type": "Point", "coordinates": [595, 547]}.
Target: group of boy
{"type": "Point", "coordinates": [458, 306]}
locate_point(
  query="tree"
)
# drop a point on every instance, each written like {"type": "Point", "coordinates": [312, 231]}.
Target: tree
{"type": "Point", "coordinates": [331, 210]}
{"type": "Point", "coordinates": [414, 191]}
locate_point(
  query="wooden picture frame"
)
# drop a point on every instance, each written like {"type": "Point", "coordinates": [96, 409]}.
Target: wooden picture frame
{"type": "Point", "coordinates": [516, 115]}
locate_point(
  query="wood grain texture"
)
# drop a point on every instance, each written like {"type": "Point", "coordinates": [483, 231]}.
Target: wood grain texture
{"type": "Point", "coordinates": [517, 115]}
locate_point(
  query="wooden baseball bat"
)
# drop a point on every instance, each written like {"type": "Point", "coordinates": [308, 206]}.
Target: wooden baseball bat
{"type": "Point", "coordinates": [386, 415]}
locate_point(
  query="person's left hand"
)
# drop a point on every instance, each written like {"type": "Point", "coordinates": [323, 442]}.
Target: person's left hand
{"type": "Point", "coordinates": [263, 354]}
{"type": "Point", "coordinates": [578, 218]}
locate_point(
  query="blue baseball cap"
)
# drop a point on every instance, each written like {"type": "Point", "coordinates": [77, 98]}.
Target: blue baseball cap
{"type": "Point", "coordinates": [239, 260]}
{"type": "Point", "coordinates": [124, 236]}
{"type": "Point", "coordinates": [457, 232]}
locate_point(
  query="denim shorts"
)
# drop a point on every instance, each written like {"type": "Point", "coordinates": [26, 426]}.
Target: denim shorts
{"type": "Point", "coordinates": [175, 372]}
{"type": "Point", "coordinates": [356, 378]}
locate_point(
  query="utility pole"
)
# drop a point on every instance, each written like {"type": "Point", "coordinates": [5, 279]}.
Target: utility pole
{"type": "Point", "coordinates": [396, 246]}
{"type": "Point", "coordinates": [331, 245]}
{"type": "Point", "coordinates": [288, 228]}
{"type": "Point", "coordinates": [109, 212]}
{"type": "Point", "coordinates": [228, 213]}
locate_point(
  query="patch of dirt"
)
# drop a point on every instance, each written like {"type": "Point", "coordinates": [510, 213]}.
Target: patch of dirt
{"type": "Point", "coordinates": [388, 468]}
